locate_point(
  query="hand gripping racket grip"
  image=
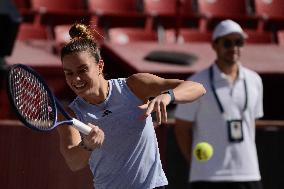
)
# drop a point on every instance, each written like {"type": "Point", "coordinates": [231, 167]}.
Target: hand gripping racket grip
{"type": "Point", "coordinates": [82, 127]}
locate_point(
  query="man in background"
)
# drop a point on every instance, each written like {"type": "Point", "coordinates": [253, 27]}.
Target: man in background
{"type": "Point", "coordinates": [224, 117]}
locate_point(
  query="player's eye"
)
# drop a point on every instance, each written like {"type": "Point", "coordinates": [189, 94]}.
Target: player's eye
{"type": "Point", "coordinates": [84, 70]}
{"type": "Point", "coordinates": [68, 73]}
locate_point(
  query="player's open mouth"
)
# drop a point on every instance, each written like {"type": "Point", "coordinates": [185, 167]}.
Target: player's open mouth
{"type": "Point", "coordinates": [79, 86]}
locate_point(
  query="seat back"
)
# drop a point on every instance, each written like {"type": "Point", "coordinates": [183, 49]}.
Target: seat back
{"type": "Point", "coordinates": [259, 37]}
{"type": "Point", "coordinates": [187, 7]}
{"type": "Point", "coordinates": [280, 37]}
{"type": "Point", "coordinates": [187, 35]}
{"type": "Point", "coordinates": [58, 5]}
{"type": "Point", "coordinates": [270, 8]}
{"type": "Point", "coordinates": [160, 7]}
{"type": "Point", "coordinates": [116, 13]}
{"type": "Point", "coordinates": [126, 35]}
{"type": "Point", "coordinates": [222, 8]}
{"type": "Point", "coordinates": [29, 31]}
{"type": "Point", "coordinates": [215, 11]}
{"type": "Point", "coordinates": [22, 4]}
{"type": "Point", "coordinates": [110, 6]}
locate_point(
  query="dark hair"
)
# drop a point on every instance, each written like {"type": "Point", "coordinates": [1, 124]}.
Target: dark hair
{"type": "Point", "coordinates": [81, 40]}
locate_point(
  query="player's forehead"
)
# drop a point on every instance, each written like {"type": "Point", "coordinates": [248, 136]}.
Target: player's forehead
{"type": "Point", "coordinates": [77, 61]}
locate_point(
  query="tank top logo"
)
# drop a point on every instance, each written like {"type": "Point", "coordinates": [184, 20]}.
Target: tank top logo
{"type": "Point", "coordinates": [106, 112]}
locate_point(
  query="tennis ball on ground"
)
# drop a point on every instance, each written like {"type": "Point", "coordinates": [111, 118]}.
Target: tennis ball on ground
{"type": "Point", "coordinates": [203, 151]}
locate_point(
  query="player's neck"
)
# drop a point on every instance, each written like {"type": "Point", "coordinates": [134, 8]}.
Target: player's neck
{"type": "Point", "coordinates": [231, 70]}
{"type": "Point", "coordinates": [100, 95]}
{"type": "Point", "coordinates": [104, 91]}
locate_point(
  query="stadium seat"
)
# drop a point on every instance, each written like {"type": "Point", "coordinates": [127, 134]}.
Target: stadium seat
{"type": "Point", "coordinates": [55, 12]}
{"type": "Point", "coordinates": [157, 7]}
{"type": "Point", "coordinates": [255, 36]}
{"type": "Point", "coordinates": [190, 35]}
{"type": "Point", "coordinates": [187, 35]}
{"type": "Point", "coordinates": [217, 10]}
{"type": "Point", "coordinates": [188, 15]}
{"type": "Point", "coordinates": [126, 35]}
{"type": "Point", "coordinates": [271, 13]}
{"type": "Point", "coordinates": [114, 13]}
{"type": "Point", "coordinates": [280, 37]}
{"type": "Point", "coordinates": [24, 8]}
{"type": "Point", "coordinates": [29, 31]}
{"type": "Point", "coordinates": [161, 13]}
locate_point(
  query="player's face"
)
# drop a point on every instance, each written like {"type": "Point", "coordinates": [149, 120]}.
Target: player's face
{"type": "Point", "coordinates": [228, 48]}
{"type": "Point", "coordinates": [83, 74]}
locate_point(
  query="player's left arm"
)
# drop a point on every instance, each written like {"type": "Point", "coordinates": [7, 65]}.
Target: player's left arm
{"type": "Point", "coordinates": [145, 86]}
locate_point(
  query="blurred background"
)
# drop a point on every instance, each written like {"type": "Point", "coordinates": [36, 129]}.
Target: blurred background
{"type": "Point", "coordinates": [176, 33]}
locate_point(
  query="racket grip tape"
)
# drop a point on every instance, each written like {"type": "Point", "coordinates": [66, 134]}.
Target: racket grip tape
{"type": "Point", "coordinates": [82, 127]}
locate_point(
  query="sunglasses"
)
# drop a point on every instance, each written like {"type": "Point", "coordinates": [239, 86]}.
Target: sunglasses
{"type": "Point", "coordinates": [227, 43]}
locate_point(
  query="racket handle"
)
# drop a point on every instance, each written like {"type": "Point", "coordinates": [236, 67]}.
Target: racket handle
{"type": "Point", "coordinates": [82, 127]}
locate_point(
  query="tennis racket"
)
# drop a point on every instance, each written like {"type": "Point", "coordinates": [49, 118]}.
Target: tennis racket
{"type": "Point", "coordinates": [34, 103]}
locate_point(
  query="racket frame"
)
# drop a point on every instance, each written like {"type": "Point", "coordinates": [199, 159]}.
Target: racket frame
{"type": "Point", "coordinates": [56, 105]}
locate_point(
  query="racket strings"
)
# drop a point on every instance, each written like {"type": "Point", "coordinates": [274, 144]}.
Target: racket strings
{"type": "Point", "coordinates": [32, 99]}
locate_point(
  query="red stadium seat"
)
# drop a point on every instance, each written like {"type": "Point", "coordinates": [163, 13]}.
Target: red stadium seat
{"type": "Point", "coordinates": [156, 7]}
{"type": "Point", "coordinates": [54, 12]}
{"type": "Point", "coordinates": [259, 36]}
{"type": "Point", "coordinates": [22, 4]}
{"type": "Point", "coordinates": [168, 14]}
{"type": "Point", "coordinates": [187, 35]}
{"type": "Point", "coordinates": [116, 13]}
{"type": "Point", "coordinates": [191, 35]}
{"type": "Point", "coordinates": [30, 31]}
{"type": "Point", "coordinates": [161, 13]}
{"type": "Point", "coordinates": [280, 36]}
{"type": "Point", "coordinates": [188, 13]}
{"type": "Point", "coordinates": [125, 35]}
{"type": "Point", "coordinates": [271, 13]}
{"type": "Point", "coordinates": [217, 10]}
{"type": "Point", "coordinates": [25, 10]}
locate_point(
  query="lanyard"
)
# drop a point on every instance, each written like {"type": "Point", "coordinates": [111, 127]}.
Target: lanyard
{"type": "Point", "coordinates": [211, 77]}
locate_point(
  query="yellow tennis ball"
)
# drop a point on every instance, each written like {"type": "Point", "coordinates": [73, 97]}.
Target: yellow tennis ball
{"type": "Point", "coordinates": [203, 151]}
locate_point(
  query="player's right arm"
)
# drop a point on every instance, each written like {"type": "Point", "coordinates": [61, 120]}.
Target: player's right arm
{"type": "Point", "coordinates": [76, 156]}
{"type": "Point", "coordinates": [183, 133]}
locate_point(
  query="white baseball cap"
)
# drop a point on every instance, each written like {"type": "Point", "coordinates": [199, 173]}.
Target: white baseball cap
{"type": "Point", "coordinates": [227, 27]}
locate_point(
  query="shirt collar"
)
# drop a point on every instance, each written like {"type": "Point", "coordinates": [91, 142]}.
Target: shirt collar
{"type": "Point", "coordinates": [219, 75]}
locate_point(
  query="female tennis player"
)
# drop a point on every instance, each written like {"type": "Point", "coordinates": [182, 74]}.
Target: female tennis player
{"type": "Point", "coordinates": [121, 149]}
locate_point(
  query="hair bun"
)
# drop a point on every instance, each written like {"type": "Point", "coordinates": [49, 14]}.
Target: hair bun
{"type": "Point", "coordinates": [80, 31]}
